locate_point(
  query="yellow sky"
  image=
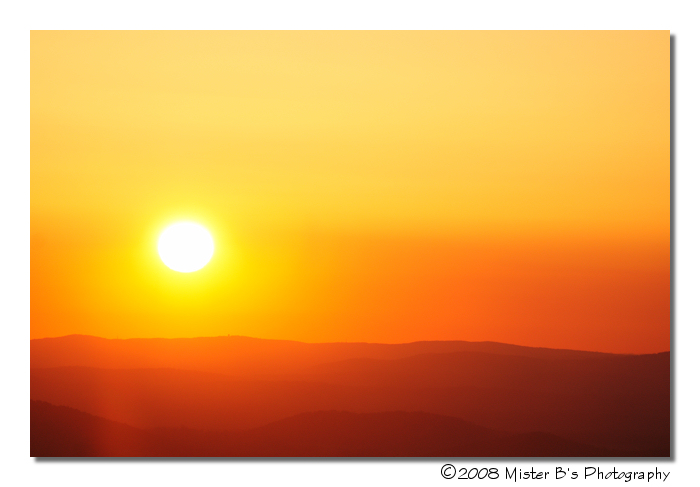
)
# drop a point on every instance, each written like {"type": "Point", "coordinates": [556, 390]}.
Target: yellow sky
{"type": "Point", "coordinates": [276, 141]}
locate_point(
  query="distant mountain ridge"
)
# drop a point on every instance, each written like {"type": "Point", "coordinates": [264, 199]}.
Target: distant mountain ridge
{"type": "Point", "coordinates": [59, 431]}
{"type": "Point", "coordinates": [245, 355]}
{"type": "Point", "coordinates": [609, 401]}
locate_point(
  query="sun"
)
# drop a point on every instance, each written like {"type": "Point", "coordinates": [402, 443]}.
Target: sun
{"type": "Point", "coordinates": [185, 247]}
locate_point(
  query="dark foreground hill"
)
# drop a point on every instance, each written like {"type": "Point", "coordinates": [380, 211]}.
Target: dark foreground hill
{"type": "Point", "coordinates": [613, 402]}
{"type": "Point", "coordinates": [58, 431]}
{"type": "Point", "coordinates": [619, 404]}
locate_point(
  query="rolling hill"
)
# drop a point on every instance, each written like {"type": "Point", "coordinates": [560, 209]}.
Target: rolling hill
{"type": "Point", "coordinates": [612, 402]}
{"type": "Point", "coordinates": [59, 431]}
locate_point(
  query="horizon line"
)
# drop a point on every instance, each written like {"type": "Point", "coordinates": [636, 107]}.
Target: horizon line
{"type": "Point", "coordinates": [349, 343]}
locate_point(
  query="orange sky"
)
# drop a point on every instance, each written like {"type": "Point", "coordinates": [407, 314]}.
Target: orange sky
{"type": "Point", "coordinates": [360, 186]}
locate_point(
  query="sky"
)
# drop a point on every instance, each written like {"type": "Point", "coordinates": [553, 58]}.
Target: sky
{"type": "Point", "coordinates": [359, 186]}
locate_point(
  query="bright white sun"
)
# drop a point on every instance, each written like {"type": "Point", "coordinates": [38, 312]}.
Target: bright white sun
{"type": "Point", "coordinates": [185, 247]}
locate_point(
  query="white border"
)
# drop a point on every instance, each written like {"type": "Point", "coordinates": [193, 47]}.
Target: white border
{"type": "Point", "coordinates": [19, 17]}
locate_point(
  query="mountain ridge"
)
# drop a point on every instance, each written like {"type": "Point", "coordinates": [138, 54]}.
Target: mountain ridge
{"type": "Point", "coordinates": [59, 431]}
{"type": "Point", "coordinates": [416, 342]}
{"type": "Point", "coordinates": [614, 401]}
{"type": "Point", "coordinates": [246, 356]}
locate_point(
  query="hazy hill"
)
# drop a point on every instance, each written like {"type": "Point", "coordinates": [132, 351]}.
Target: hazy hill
{"type": "Point", "coordinates": [608, 374]}
{"type": "Point", "coordinates": [626, 405]}
{"type": "Point", "coordinates": [60, 431]}
{"type": "Point", "coordinates": [232, 383]}
{"type": "Point", "coordinates": [246, 356]}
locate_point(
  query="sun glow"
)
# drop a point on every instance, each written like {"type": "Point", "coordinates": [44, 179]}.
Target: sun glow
{"type": "Point", "coordinates": [185, 247]}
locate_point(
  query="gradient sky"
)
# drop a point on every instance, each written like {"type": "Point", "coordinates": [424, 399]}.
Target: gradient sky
{"type": "Point", "coordinates": [360, 186]}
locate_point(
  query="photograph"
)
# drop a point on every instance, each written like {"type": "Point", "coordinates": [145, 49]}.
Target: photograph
{"type": "Point", "coordinates": [350, 244]}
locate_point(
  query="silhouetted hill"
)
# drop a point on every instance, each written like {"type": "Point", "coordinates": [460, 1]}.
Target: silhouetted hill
{"type": "Point", "coordinates": [249, 356]}
{"type": "Point", "coordinates": [61, 431]}
{"type": "Point", "coordinates": [616, 374]}
{"type": "Point", "coordinates": [611, 401]}
{"type": "Point", "coordinates": [624, 408]}
{"type": "Point", "coordinates": [149, 398]}
{"type": "Point", "coordinates": [404, 434]}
